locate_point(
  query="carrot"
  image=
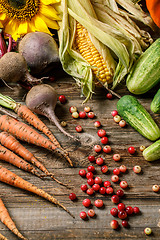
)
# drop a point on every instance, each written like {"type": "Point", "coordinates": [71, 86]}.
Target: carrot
{"type": "Point", "coordinates": [12, 179]}
{"type": "Point", "coordinates": [28, 134]}
{"type": "Point", "coordinates": [6, 219]}
{"type": "Point", "coordinates": [3, 237]}
{"type": "Point", "coordinates": [10, 142]}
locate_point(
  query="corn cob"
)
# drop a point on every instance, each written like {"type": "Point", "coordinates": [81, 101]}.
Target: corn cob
{"type": "Point", "coordinates": [86, 48]}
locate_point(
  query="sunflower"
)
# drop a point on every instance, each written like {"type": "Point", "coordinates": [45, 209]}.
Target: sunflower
{"type": "Point", "coordinates": [22, 16]}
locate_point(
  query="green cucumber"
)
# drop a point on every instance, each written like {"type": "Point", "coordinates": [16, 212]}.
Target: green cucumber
{"type": "Point", "coordinates": [155, 104]}
{"type": "Point", "coordinates": [145, 73]}
{"type": "Point", "coordinates": [152, 152]}
{"type": "Point", "coordinates": [131, 110]}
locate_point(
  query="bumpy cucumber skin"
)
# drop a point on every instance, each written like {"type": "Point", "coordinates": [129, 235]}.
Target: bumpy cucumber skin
{"type": "Point", "coordinates": [145, 73]}
{"type": "Point", "coordinates": [155, 104]}
{"type": "Point", "coordinates": [152, 152]}
{"type": "Point", "coordinates": [130, 109]}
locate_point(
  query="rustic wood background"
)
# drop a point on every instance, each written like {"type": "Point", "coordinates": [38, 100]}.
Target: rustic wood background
{"type": "Point", "coordinates": [38, 219]}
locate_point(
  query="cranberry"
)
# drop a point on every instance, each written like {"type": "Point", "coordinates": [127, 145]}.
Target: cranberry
{"type": "Point", "coordinates": [91, 169]}
{"type": "Point", "coordinates": [129, 210]}
{"type": "Point", "coordinates": [136, 210]}
{"type": "Point", "coordinates": [120, 193]}
{"type": "Point", "coordinates": [63, 124]}
{"type": "Point", "coordinates": [107, 149]}
{"type": "Point", "coordinates": [83, 215]}
{"type": "Point", "coordinates": [98, 180]}
{"type": "Point", "coordinates": [91, 158]}
{"type": "Point", "coordinates": [121, 206]}
{"type": "Point", "coordinates": [51, 78]}
{"type": "Point", "coordinates": [115, 199]}
{"type": "Point", "coordinates": [109, 96]}
{"type": "Point", "coordinates": [96, 187]}
{"type": "Point", "coordinates": [147, 231]}
{"type": "Point", "coordinates": [114, 113]}
{"type": "Point", "coordinates": [102, 190]}
{"type": "Point", "coordinates": [131, 150]}
{"type": "Point", "coordinates": [123, 184]}
{"type": "Point", "coordinates": [98, 203]}
{"type": "Point", "coordinates": [91, 213]}
{"type": "Point", "coordinates": [114, 212]}
{"type": "Point", "coordinates": [116, 171]}
{"type": "Point", "coordinates": [82, 114]}
{"type": "Point", "coordinates": [104, 140]}
{"type": "Point", "coordinates": [101, 133]}
{"type": "Point", "coordinates": [82, 173]}
{"type": "Point", "coordinates": [99, 161]}
{"type": "Point", "coordinates": [72, 196]}
{"type": "Point", "coordinates": [62, 99]}
{"type": "Point", "coordinates": [104, 169]}
{"type": "Point", "coordinates": [122, 123]}
{"type": "Point", "coordinates": [87, 109]}
{"type": "Point", "coordinates": [142, 148]}
{"type": "Point", "coordinates": [137, 169]}
{"type": "Point", "coordinates": [90, 191]}
{"type": "Point", "coordinates": [107, 184]}
{"type": "Point", "coordinates": [122, 214]}
{"type": "Point", "coordinates": [117, 118]}
{"type": "Point", "coordinates": [89, 175]}
{"type": "Point", "coordinates": [123, 168]}
{"type": "Point", "coordinates": [86, 202]}
{"type": "Point", "coordinates": [109, 190]}
{"type": "Point", "coordinates": [90, 181]}
{"type": "Point", "coordinates": [79, 128]}
{"type": "Point", "coordinates": [114, 178]}
{"type": "Point", "coordinates": [125, 223]}
{"type": "Point", "coordinates": [155, 188]}
{"type": "Point", "coordinates": [72, 109]}
{"type": "Point", "coordinates": [97, 124]}
{"type": "Point", "coordinates": [114, 224]}
{"type": "Point", "coordinates": [84, 187]}
{"type": "Point", "coordinates": [91, 114]}
{"type": "Point", "coordinates": [116, 157]}
{"type": "Point", "coordinates": [75, 115]}
{"type": "Point", "coordinates": [97, 148]}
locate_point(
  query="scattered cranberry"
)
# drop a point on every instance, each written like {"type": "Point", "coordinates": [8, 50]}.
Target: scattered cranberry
{"type": "Point", "coordinates": [114, 212]}
{"type": "Point", "coordinates": [72, 109]}
{"type": "Point", "coordinates": [142, 148]}
{"type": "Point", "coordinates": [91, 213]}
{"type": "Point", "coordinates": [91, 169]}
{"type": "Point", "coordinates": [102, 190]}
{"type": "Point", "coordinates": [96, 187]}
{"type": "Point", "coordinates": [122, 123]}
{"type": "Point", "coordinates": [122, 214]}
{"type": "Point", "coordinates": [120, 193]}
{"type": "Point", "coordinates": [63, 124]}
{"type": "Point", "coordinates": [98, 180]}
{"type": "Point", "coordinates": [91, 158]}
{"type": "Point", "coordinates": [125, 223]}
{"type": "Point", "coordinates": [84, 187]}
{"type": "Point", "coordinates": [82, 114]}
{"type": "Point", "coordinates": [107, 184]}
{"type": "Point", "coordinates": [136, 210]}
{"type": "Point", "coordinates": [75, 115]}
{"type": "Point", "coordinates": [104, 140]}
{"type": "Point", "coordinates": [89, 175]}
{"type": "Point", "coordinates": [129, 210]}
{"type": "Point", "coordinates": [114, 178]}
{"type": "Point", "coordinates": [116, 157]}
{"type": "Point", "coordinates": [123, 168]}
{"type": "Point", "coordinates": [123, 184]}
{"type": "Point", "coordinates": [137, 169]}
{"type": "Point", "coordinates": [114, 224]}
{"type": "Point", "coordinates": [62, 99]}
{"type": "Point", "coordinates": [99, 161]}
{"type": "Point", "coordinates": [147, 231]}
{"type": "Point", "coordinates": [87, 109]}
{"type": "Point", "coordinates": [82, 173]}
{"type": "Point", "coordinates": [97, 148]}
{"type": "Point", "coordinates": [155, 188]}
{"type": "Point", "coordinates": [116, 171]}
{"type": "Point", "coordinates": [51, 78]}
{"type": "Point", "coordinates": [107, 149]}
{"type": "Point", "coordinates": [101, 133]}
{"type": "Point", "coordinates": [109, 190]}
{"type": "Point", "coordinates": [109, 96]}
{"type": "Point", "coordinates": [115, 198]}
{"type": "Point", "coordinates": [90, 191]}
{"type": "Point", "coordinates": [83, 215]}
{"type": "Point", "coordinates": [97, 124]}
{"type": "Point", "coordinates": [121, 206]}
{"type": "Point", "coordinates": [72, 196]}
{"type": "Point", "coordinates": [131, 150]}
{"type": "Point", "coordinates": [117, 118]}
{"type": "Point", "coordinates": [114, 113]}
{"type": "Point", "coordinates": [78, 128]}
{"type": "Point", "coordinates": [90, 181]}
{"type": "Point", "coordinates": [104, 169]}
{"type": "Point", "coordinates": [98, 203]}
{"type": "Point", "coordinates": [86, 202]}
{"type": "Point", "coordinates": [91, 114]}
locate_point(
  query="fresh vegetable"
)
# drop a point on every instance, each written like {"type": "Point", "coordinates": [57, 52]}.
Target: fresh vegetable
{"type": "Point", "coordinates": [137, 116]}
{"type": "Point", "coordinates": [26, 133]}
{"type": "Point", "coordinates": [40, 51]}
{"type": "Point", "coordinates": [42, 100]}
{"type": "Point", "coordinates": [3, 237]}
{"type": "Point", "coordinates": [12, 179]}
{"type": "Point", "coordinates": [155, 104]}
{"type": "Point", "coordinates": [153, 7]}
{"type": "Point", "coordinates": [152, 152]}
{"type": "Point", "coordinates": [145, 73]}
{"type": "Point", "coordinates": [6, 219]}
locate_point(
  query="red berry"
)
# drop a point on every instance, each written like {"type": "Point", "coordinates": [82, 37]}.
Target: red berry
{"type": "Point", "coordinates": [84, 187]}
{"type": "Point", "coordinates": [125, 223]}
{"type": "Point", "coordinates": [102, 190]}
{"type": "Point", "coordinates": [123, 184]}
{"type": "Point", "coordinates": [91, 169]}
{"type": "Point", "coordinates": [87, 109]}
{"type": "Point", "coordinates": [90, 191]}
{"type": "Point", "coordinates": [107, 184]}
{"type": "Point", "coordinates": [91, 213]}
{"type": "Point", "coordinates": [86, 202]}
{"type": "Point", "coordinates": [96, 187]}
{"type": "Point", "coordinates": [91, 158]}
{"type": "Point", "coordinates": [109, 190]}
{"type": "Point", "coordinates": [97, 124]}
{"type": "Point", "coordinates": [62, 99]}
{"type": "Point", "coordinates": [99, 161]}
{"type": "Point", "coordinates": [101, 133]}
{"type": "Point", "coordinates": [155, 188]}
{"type": "Point", "coordinates": [117, 118]}
{"type": "Point", "coordinates": [147, 231]}
{"type": "Point", "coordinates": [137, 169]}
{"type": "Point", "coordinates": [82, 173]}
{"type": "Point", "coordinates": [129, 210]}
{"type": "Point", "coordinates": [51, 78]}
{"type": "Point", "coordinates": [122, 214]}
{"type": "Point", "coordinates": [98, 180]}
{"type": "Point", "coordinates": [136, 210]}
{"type": "Point", "coordinates": [82, 114]}
{"type": "Point", "coordinates": [114, 113]}
{"type": "Point", "coordinates": [123, 168]}
{"type": "Point", "coordinates": [121, 206]}
{"type": "Point", "coordinates": [72, 109]}
{"type": "Point", "coordinates": [72, 196]}
{"type": "Point", "coordinates": [122, 123]}
{"type": "Point", "coordinates": [116, 171]}
{"type": "Point", "coordinates": [90, 181]}
{"type": "Point", "coordinates": [75, 115]}
{"type": "Point", "coordinates": [104, 140]}
{"type": "Point", "coordinates": [120, 193]}
{"type": "Point", "coordinates": [131, 150]}
{"type": "Point", "coordinates": [109, 96]}
{"type": "Point", "coordinates": [116, 157]}
{"type": "Point", "coordinates": [83, 215]}
{"type": "Point", "coordinates": [104, 169]}
{"type": "Point", "coordinates": [91, 114]}
{"type": "Point", "coordinates": [114, 224]}
{"type": "Point", "coordinates": [114, 212]}
{"type": "Point", "coordinates": [107, 149]}
{"type": "Point", "coordinates": [89, 175]}
{"type": "Point", "coordinates": [97, 148]}
{"type": "Point", "coordinates": [78, 128]}
{"type": "Point", "coordinates": [115, 199]}
{"type": "Point", "coordinates": [114, 178]}
{"type": "Point", "coordinates": [98, 203]}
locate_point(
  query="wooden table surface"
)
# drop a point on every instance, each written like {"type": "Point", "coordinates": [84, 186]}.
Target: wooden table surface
{"type": "Point", "coordinates": [38, 219]}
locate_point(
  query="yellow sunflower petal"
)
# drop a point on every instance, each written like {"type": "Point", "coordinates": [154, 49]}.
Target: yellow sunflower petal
{"type": "Point", "coordinates": [50, 23]}
{"type": "Point", "coordinates": [12, 29]}
{"type": "Point", "coordinates": [31, 26]}
{"type": "Point", "coordinates": [47, 2]}
{"type": "Point", "coordinates": [40, 25]}
{"type": "Point", "coordinates": [1, 25]}
{"type": "Point", "coordinates": [49, 12]}
{"type": "Point", "coordinates": [23, 28]}
{"type": "Point", "coordinates": [3, 16]}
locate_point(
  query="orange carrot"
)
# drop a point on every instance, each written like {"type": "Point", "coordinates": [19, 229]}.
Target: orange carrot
{"type": "Point", "coordinates": [28, 134]}
{"type": "Point", "coordinates": [6, 219]}
{"type": "Point", "coordinates": [3, 237]}
{"type": "Point", "coordinates": [12, 179]}
{"type": "Point", "coordinates": [10, 142]}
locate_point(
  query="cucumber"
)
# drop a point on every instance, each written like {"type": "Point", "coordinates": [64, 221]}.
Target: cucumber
{"type": "Point", "coordinates": [155, 104]}
{"type": "Point", "coordinates": [130, 109]}
{"type": "Point", "coordinates": [152, 152]}
{"type": "Point", "coordinates": [145, 72]}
